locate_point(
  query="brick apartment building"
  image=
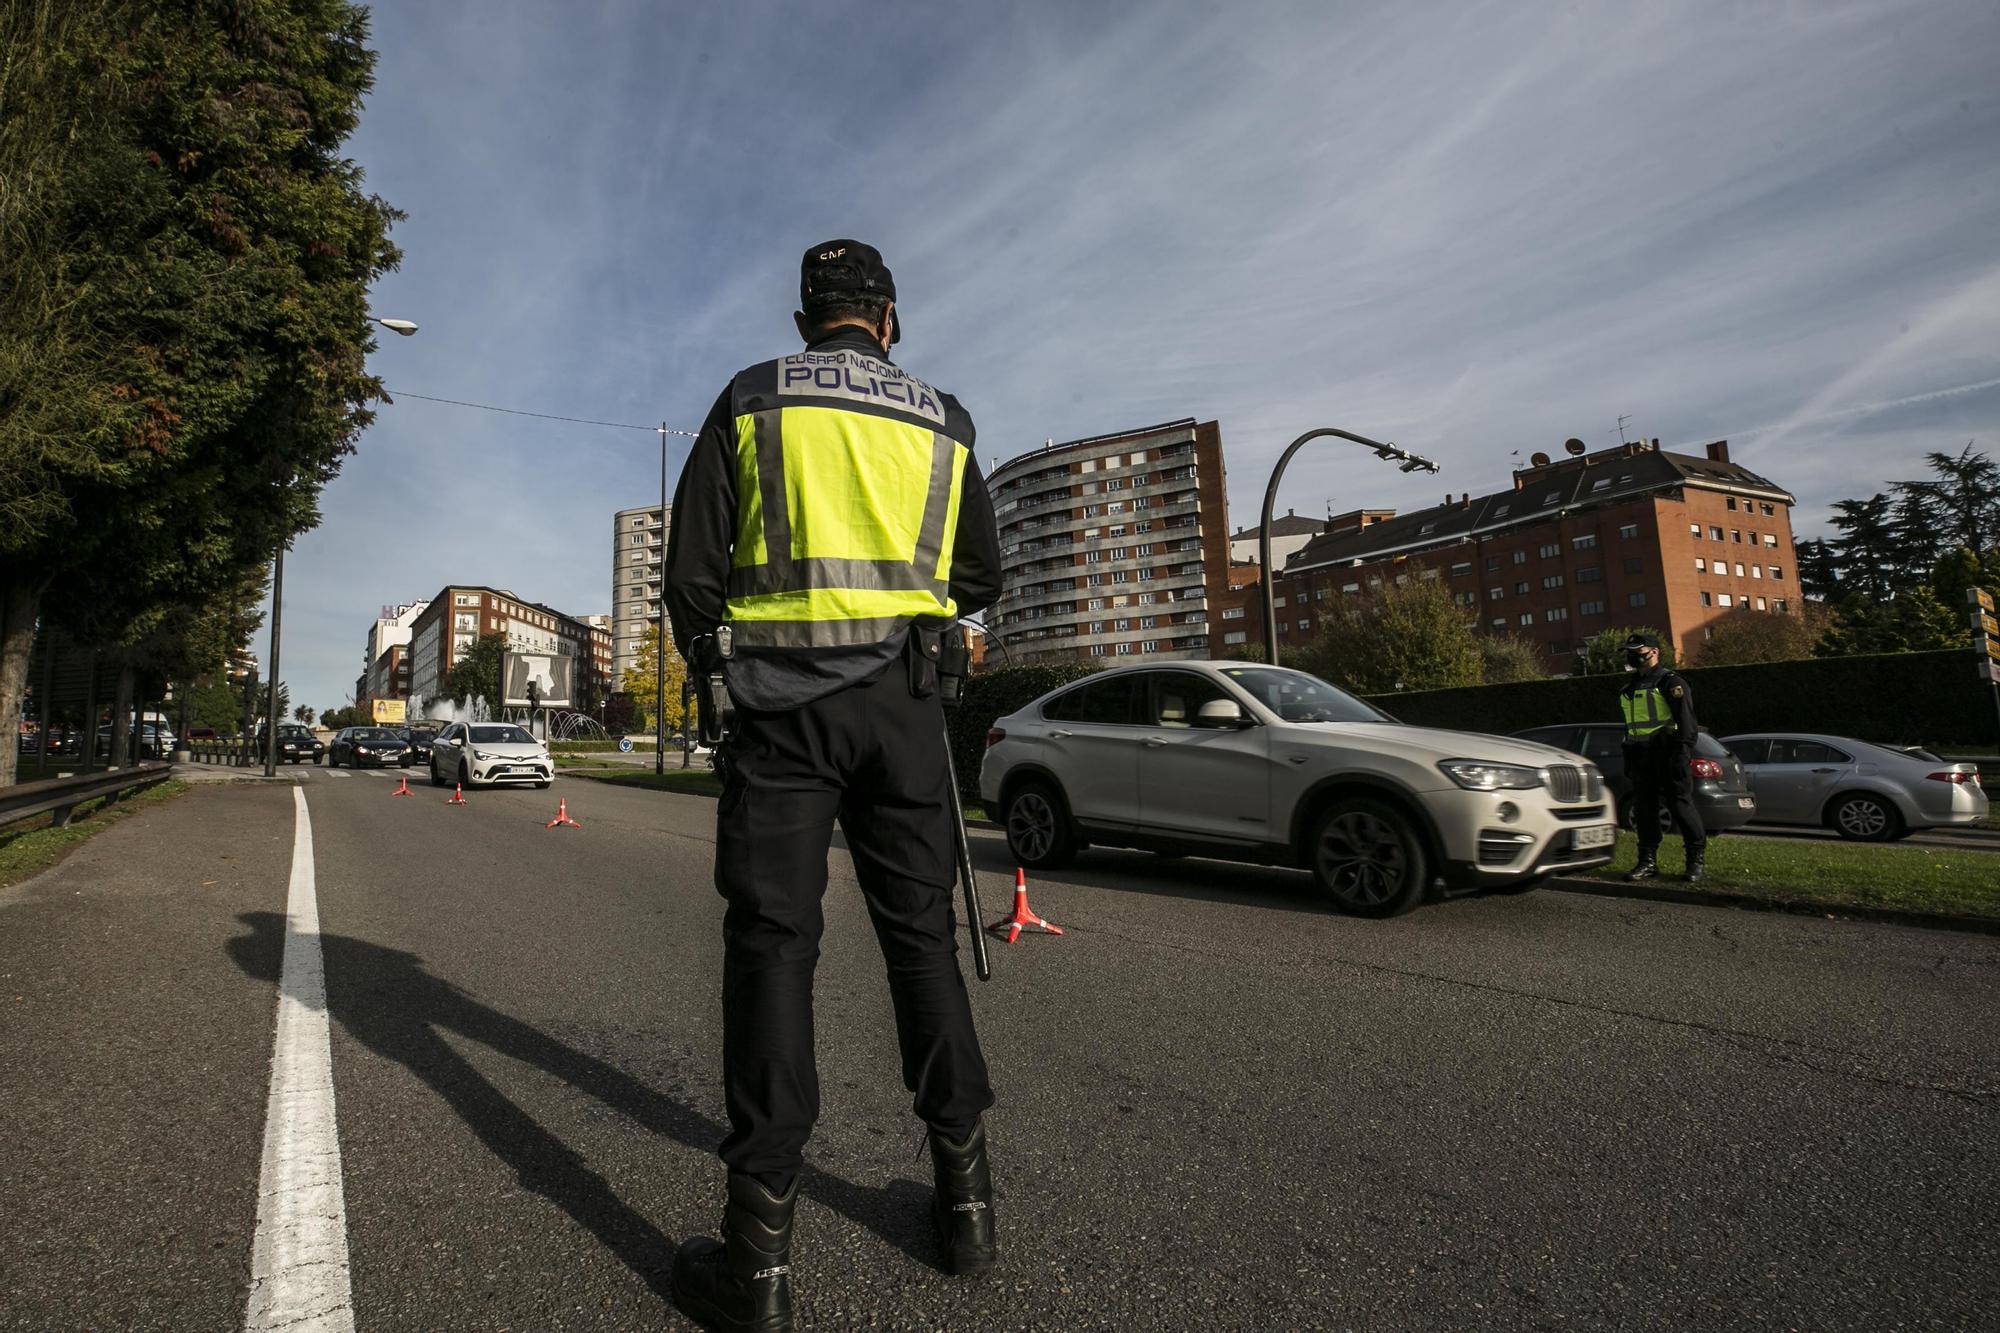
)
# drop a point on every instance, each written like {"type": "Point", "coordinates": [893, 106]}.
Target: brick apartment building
{"type": "Point", "coordinates": [1632, 535]}
{"type": "Point", "coordinates": [460, 613]}
{"type": "Point", "coordinates": [1112, 546]}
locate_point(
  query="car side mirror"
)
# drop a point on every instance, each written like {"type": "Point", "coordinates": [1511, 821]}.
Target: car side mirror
{"type": "Point", "coordinates": [1221, 715]}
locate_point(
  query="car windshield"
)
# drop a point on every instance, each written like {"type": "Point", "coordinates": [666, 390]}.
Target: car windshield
{"type": "Point", "coordinates": [1297, 697]}
{"type": "Point", "coordinates": [501, 736]}
{"type": "Point", "coordinates": [375, 735]}
{"type": "Point", "coordinates": [293, 732]}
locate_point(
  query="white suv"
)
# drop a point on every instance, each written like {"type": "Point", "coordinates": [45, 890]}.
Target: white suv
{"type": "Point", "coordinates": [472, 754]}
{"type": "Point", "coordinates": [1266, 764]}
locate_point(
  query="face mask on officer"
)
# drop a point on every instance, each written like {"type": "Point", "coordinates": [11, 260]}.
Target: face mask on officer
{"type": "Point", "coordinates": [1635, 659]}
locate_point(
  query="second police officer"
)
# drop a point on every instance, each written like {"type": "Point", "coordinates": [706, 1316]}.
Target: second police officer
{"type": "Point", "coordinates": [1660, 734]}
{"type": "Point", "coordinates": [830, 524]}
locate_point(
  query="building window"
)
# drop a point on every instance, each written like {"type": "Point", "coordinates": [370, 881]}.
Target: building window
{"type": "Point", "coordinates": [1495, 594]}
{"type": "Point", "coordinates": [1771, 539]}
{"type": "Point", "coordinates": [1736, 535]}
{"type": "Point", "coordinates": [1715, 534]}
{"type": "Point", "coordinates": [1558, 613]}
{"type": "Point", "coordinates": [1591, 609]}
{"type": "Point", "coordinates": [1583, 543]}
{"type": "Point", "coordinates": [1096, 581]}
{"type": "Point", "coordinates": [1723, 599]}
{"type": "Point", "coordinates": [1094, 604]}
{"type": "Point", "coordinates": [1636, 599]}
{"type": "Point", "coordinates": [1305, 622]}
{"type": "Point", "coordinates": [1631, 530]}
{"type": "Point", "coordinates": [1146, 598]}
{"type": "Point", "coordinates": [1232, 612]}
{"type": "Point", "coordinates": [1760, 604]}
{"type": "Point", "coordinates": [1097, 627]}
{"type": "Point", "coordinates": [1122, 575]}
{"type": "Point", "coordinates": [1121, 625]}
{"type": "Point", "coordinates": [1521, 588]}
{"type": "Point", "coordinates": [1550, 551]}
{"type": "Point", "coordinates": [1732, 503]}
{"type": "Point", "coordinates": [1700, 565]}
{"type": "Point", "coordinates": [1778, 604]}
{"type": "Point", "coordinates": [1493, 562]}
{"type": "Point", "coordinates": [1589, 574]}
{"type": "Point", "coordinates": [1527, 617]}
{"type": "Point", "coordinates": [1114, 484]}
{"type": "Point", "coordinates": [1141, 503]}
{"type": "Point", "coordinates": [1144, 525]}
{"type": "Point", "coordinates": [1097, 650]}
{"type": "Point", "coordinates": [1633, 565]}
{"type": "Point", "coordinates": [1520, 557]}
{"type": "Point", "coordinates": [1694, 529]}
{"type": "Point", "coordinates": [1601, 484]}
{"type": "Point", "coordinates": [1145, 548]}
{"type": "Point", "coordinates": [1550, 581]}
{"type": "Point", "coordinates": [1765, 510]}
{"type": "Point", "coordinates": [1235, 636]}
{"type": "Point", "coordinates": [1124, 649]}
{"type": "Point", "coordinates": [1427, 529]}
{"type": "Point", "coordinates": [1500, 511]}
{"type": "Point", "coordinates": [1776, 572]}
{"type": "Point", "coordinates": [1552, 496]}
{"type": "Point", "coordinates": [1461, 569]}
{"type": "Point", "coordinates": [1350, 588]}
{"type": "Point", "coordinates": [1147, 622]}
{"type": "Point", "coordinates": [1739, 569]}
{"type": "Point", "coordinates": [1499, 622]}
{"type": "Point", "coordinates": [1119, 552]}
{"type": "Point", "coordinates": [1092, 557]}
{"type": "Point", "coordinates": [1707, 600]}
{"type": "Point", "coordinates": [1148, 574]}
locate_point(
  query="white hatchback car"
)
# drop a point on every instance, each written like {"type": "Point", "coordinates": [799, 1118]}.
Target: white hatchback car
{"type": "Point", "coordinates": [1270, 765]}
{"type": "Point", "coordinates": [472, 753]}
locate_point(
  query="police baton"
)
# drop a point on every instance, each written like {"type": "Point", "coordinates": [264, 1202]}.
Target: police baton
{"type": "Point", "coordinates": [954, 665]}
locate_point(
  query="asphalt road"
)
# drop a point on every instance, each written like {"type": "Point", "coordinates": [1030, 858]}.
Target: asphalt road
{"type": "Point", "coordinates": [1221, 1107]}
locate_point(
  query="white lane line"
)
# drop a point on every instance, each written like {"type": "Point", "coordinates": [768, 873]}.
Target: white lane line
{"type": "Point", "coordinates": [298, 1262]}
{"type": "Point", "coordinates": [338, 773]}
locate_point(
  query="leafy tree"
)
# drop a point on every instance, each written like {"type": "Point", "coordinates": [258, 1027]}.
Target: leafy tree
{"type": "Point", "coordinates": [1398, 637]}
{"type": "Point", "coordinates": [641, 686]}
{"type": "Point", "coordinates": [1746, 636]}
{"type": "Point", "coordinates": [1604, 652]}
{"type": "Point", "coordinates": [1506, 658]}
{"type": "Point", "coordinates": [216, 704]}
{"type": "Point", "coordinates": [476, 675]}
{"type": "Point", "coordinates": [1819, 569]}
{"type": "Point", "coordinates": [303, 715]}
{"type": "Point", "coordinates": [1961, 502]}
{"type": "Point", "coordinates": [184, 264]}
{"type": "Point", "coordinates": [1912, 623]}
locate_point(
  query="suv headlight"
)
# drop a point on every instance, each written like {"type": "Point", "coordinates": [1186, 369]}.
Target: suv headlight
{"type": "Point", "coordinates": [1478, 775]}
{"type": "Point", "coordinates": [484, 757]}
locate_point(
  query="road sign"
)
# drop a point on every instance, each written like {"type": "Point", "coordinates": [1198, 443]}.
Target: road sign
{"type": "Point", "coordinates": [1989, 671]}
{"type": "Point", "coordinates": [1980, 598]}
{"type": "Point", "coordinates": [624, 745]}
{"type": "Point", "coordinates": [1991, 647]}
{"type": "Point", "coordinates": [1985, 624]}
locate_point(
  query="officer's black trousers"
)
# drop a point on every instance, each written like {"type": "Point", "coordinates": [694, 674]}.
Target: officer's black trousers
{"type": "Point", "coordinates": [871, 756]}
{"type": "Point", "coordinates": [1662, 773]}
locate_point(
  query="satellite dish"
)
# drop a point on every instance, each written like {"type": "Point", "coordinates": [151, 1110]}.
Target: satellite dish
{"type": "Point", "coordinates": [1538, 460]}
{"type": "Point", "coordinates": [1575, 446]}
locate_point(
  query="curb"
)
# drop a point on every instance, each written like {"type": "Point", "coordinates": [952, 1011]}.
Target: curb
{"type": "Point", "coordinates": [1889, 916]}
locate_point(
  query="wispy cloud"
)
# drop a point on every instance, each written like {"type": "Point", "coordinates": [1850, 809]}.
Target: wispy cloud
{"type": "Point", "coordinates": [1472, 228]}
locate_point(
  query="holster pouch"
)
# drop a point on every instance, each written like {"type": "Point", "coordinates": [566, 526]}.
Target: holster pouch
{"type": "Point", "coordinates": [954, 665]}
{"type": "Point", "coordinates": [921, 652]}
{"type": "Point", "coordinates": [715, 711]}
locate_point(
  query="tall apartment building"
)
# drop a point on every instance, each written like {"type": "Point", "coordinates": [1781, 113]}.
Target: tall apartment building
{"type": "Point", "coordinates": [638, 559]}
{"type": "Point", "coordinates": [461, 613]}
{"type": "Point", "coordinates": [1112, 546]}
{"type": "Point", "coordinates": [1633, 535]}
{"type": "Point", "coordinates": [385, 665]}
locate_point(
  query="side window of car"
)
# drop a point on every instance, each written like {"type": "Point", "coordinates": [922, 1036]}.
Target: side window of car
{"type": "Point", "coordinates": [1177, 697]}
{"type": "Point", "coordinates": [1807, 752]}
{"type": "Point", "coordinates": [1603, 743]}
{"type": "Point", "coordinates": [1102, 702]}
{"type": "Point", "coordinates": [1751, 752]}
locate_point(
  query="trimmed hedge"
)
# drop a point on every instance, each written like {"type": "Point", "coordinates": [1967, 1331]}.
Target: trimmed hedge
{"type": "Point", "coordinates": [992, 695]}
{"type": "Point", "coordinates": [1926, 699]}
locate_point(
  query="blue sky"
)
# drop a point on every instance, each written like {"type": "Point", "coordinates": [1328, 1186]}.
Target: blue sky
{"type": "Point", "coordinates": [1469, 228]}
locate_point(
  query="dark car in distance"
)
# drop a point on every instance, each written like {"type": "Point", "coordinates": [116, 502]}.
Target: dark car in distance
{"type": "Point", "coordinates": [416, 744]}
{"type": "Point", "coordinates": [365, 747]}
{"type": "Point", "coordinates": [1721, 790]}
{"type": "Point", "coordinates": [296, 745]}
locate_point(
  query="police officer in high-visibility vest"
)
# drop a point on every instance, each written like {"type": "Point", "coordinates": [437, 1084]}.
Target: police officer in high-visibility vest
{"type": "Point", "coordinates": [1660, 734]}
{"type": "Point", "coordinates": [830, 524]}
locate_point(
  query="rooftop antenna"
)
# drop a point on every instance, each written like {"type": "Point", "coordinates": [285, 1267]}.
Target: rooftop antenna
{"type": "Point", "coordinates": [1621, 428]}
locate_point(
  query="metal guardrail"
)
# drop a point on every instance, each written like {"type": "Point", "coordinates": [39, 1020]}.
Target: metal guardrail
{"type": "Point", "coordinates": [62, 795]}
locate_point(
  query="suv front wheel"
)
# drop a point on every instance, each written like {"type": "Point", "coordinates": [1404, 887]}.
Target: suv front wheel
{"type": "Point", "coordinates": [1369, 858]}
{"type": "Point", "coordinates": [1038, 828]}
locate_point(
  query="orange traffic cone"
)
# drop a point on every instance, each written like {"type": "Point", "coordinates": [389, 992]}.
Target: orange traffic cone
{"type": "Point", "coordinates": [457, 796]}
{"type": "Point", "coordinates": [1023, 918]}
{"type": "Point", "coordinates": [403, 788]}
{"type": "Point", "coordinates": [562, 815]}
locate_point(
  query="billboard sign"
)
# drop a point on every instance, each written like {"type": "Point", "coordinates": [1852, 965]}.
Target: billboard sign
{"type": "Point", "coordinates": [386, 711]}
{"type": "Point", "coordinates": [555, 673]}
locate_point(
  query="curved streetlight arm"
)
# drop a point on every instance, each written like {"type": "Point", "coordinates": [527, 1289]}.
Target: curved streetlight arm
{"type": "Point", "coordinates": [1411, 463]}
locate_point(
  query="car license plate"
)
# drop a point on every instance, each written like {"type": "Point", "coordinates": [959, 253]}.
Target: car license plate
{"type": "Point", "coordinates": [1602, 835]}
{"type": "Point", "coordinates": [1746, 803]}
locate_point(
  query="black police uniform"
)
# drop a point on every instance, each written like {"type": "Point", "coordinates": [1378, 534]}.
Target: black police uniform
{"type": "Point", "coordinates": [1659, 767]}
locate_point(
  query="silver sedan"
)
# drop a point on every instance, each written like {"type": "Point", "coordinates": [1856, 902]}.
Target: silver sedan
{"type": "Point", "coordinates": [1866, 792]}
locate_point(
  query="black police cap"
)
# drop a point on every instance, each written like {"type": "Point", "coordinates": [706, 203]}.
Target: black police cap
{"type": "Point", "coordinates": [848, 266]}
{"type": "Point", "coordinates": [1643, 641]}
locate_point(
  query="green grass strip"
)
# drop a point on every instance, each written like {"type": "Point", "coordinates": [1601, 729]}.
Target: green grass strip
{"type": "Point", "coordinates": [29, 848]}
{"type": "Point", "coordinates": [1835, 874]}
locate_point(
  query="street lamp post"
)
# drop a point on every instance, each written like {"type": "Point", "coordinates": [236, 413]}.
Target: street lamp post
{"type": "Point", "coordinates": [398, 326]}
{"type": "Point", "coordinates": [1411, 463]}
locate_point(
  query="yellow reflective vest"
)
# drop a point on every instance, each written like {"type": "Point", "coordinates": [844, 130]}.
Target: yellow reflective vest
{"type": "Point", "coordinates": [848, 477]}
{"type": "Point", "coordinates": [1647, 712]}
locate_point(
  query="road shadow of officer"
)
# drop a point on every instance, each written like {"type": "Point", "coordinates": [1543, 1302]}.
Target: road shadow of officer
{"type": "Point", "coordinates": [1660, 734]}
{"type": "Point", "coordinates": [391, 1004]}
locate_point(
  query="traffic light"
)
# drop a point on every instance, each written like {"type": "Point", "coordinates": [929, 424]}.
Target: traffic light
{"type": "Point", "coordinates": [534, 694]}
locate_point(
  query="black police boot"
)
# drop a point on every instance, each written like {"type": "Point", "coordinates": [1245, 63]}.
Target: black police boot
{"type": "Point", "coordinates": [1648, 867]}
{"type": "Point", "coordinates": [741, 1283]}
{"type": "Point", "coordinates": [1697, 865]}
{"type": "Point", "coordinates": [962, 1208]}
